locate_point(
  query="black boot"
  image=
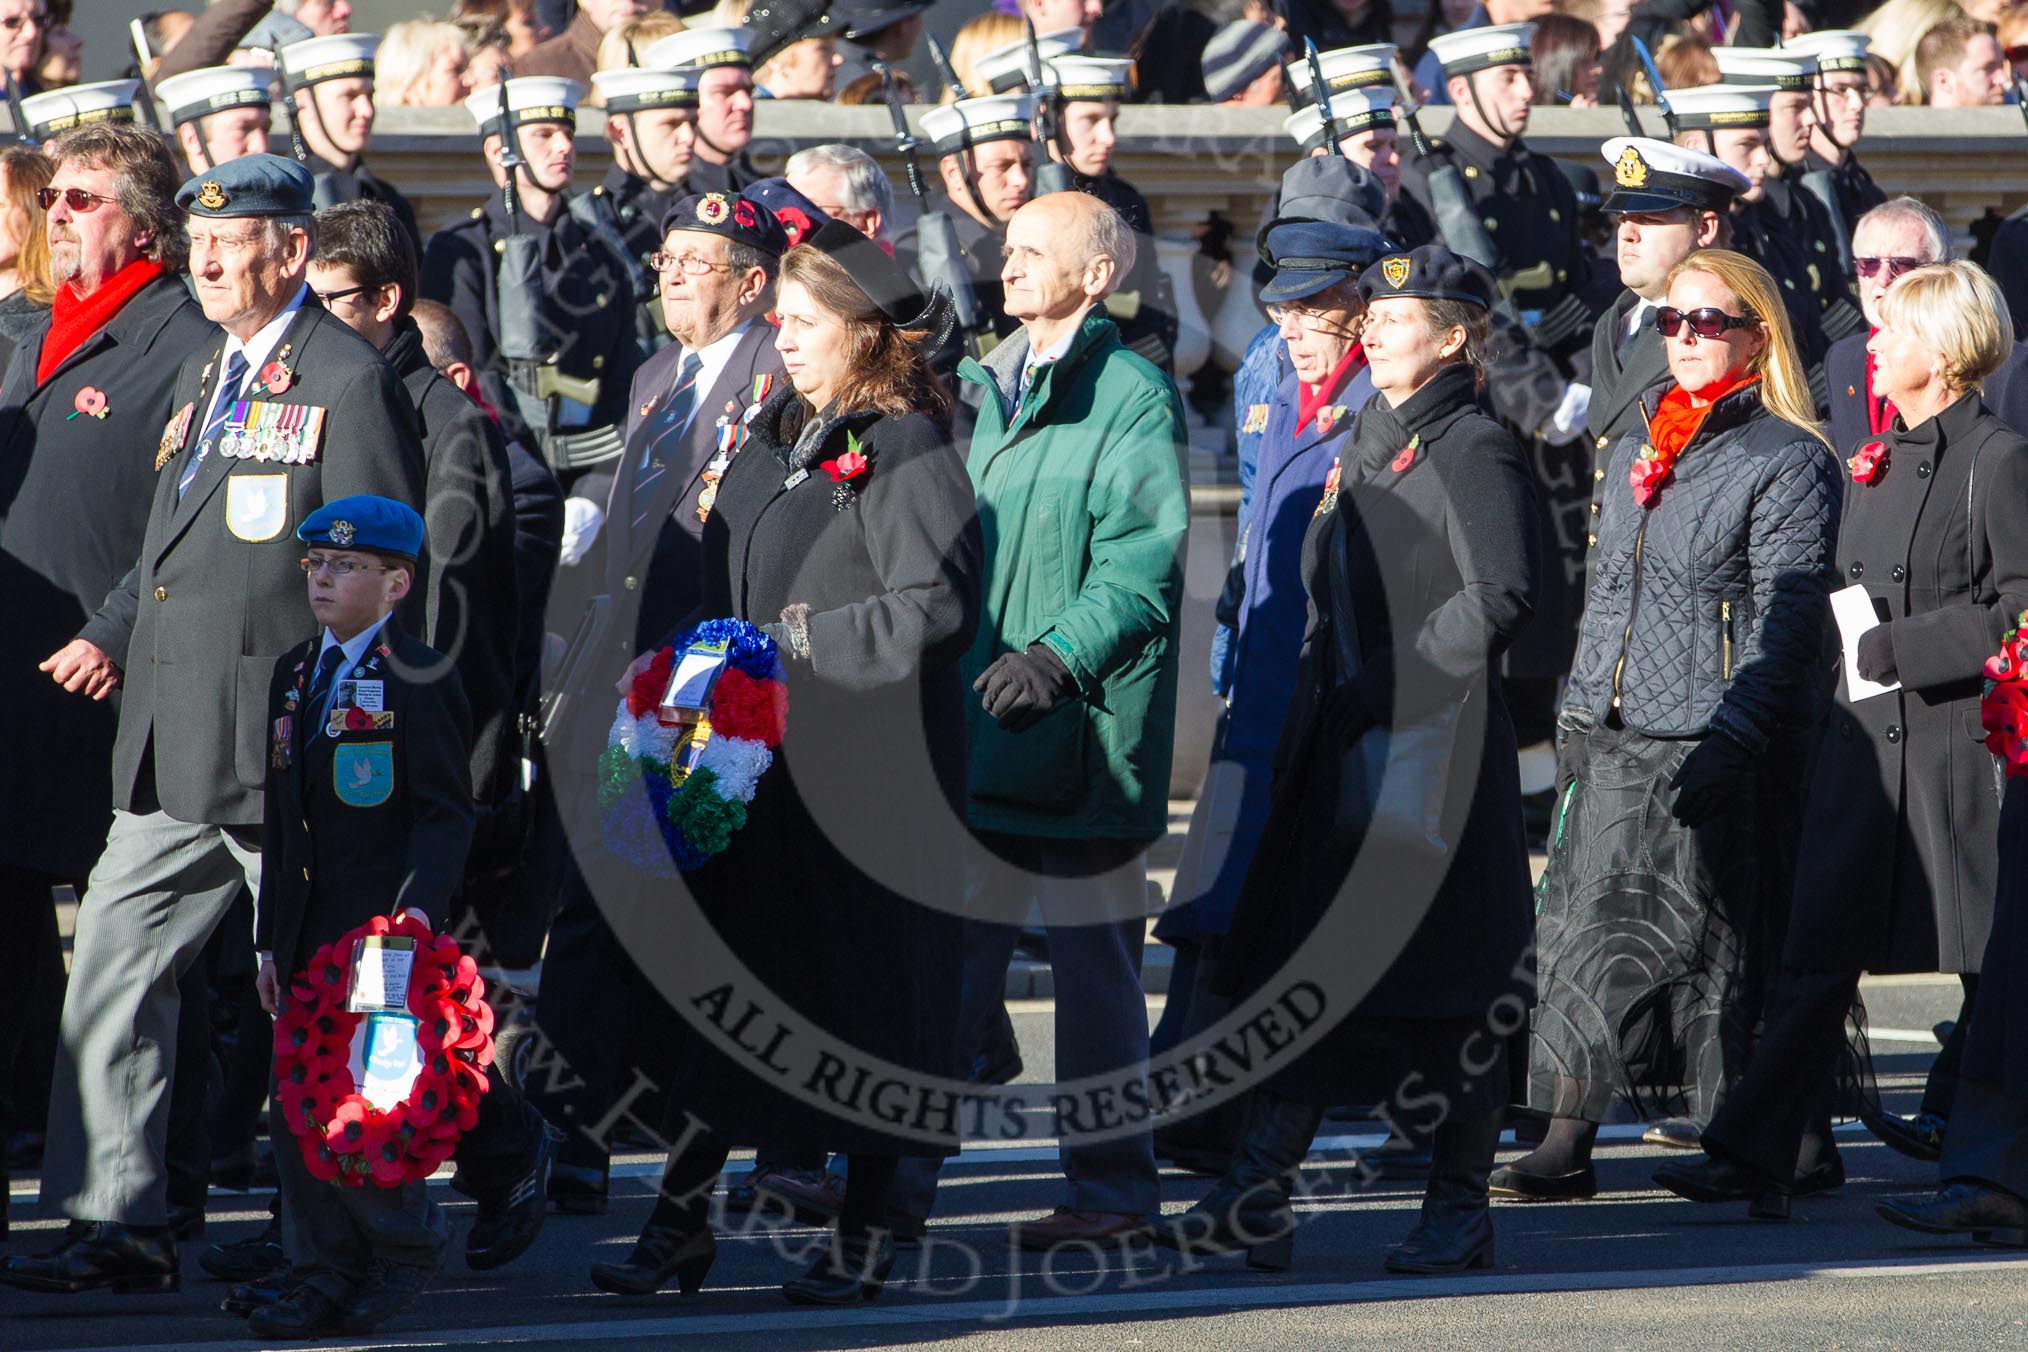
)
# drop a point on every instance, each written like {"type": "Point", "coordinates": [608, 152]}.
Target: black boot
{"type": "Point", "coordinates": [1456, 1233]}
{"type": "Point", "coordinates": [248, 1260]}
{"type": "Point", "coordinates": [509, 1218]}
{"type": "Point", "coordinates": [1249, 1207]}
{"type": "Point", "coordinates": [663, 1251]}
{"type": "Point", "coordinates": [101, 1254]}
{"type": "Point", "coordinates": [852, 1268]}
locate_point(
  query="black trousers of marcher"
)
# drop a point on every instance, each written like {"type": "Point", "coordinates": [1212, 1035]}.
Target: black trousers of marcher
{"type": "Point", "coordinates": [31, 996]}
{"type": "Point", "coordinates": [1778, 1117]}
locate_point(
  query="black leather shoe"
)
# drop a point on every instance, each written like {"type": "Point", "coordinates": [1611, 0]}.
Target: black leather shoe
{"type": "Point", "coordinates": [254, 1259]}
{"type": "Point", "coordinates": [509, 1220]}
{"type": "Point", "coordinates": [1919, 1137]}
{"type": "Point", "coordinates": [1675, 1133]}
{"type": "Point", "coordinates": [247, 1297]}
{"type": "Point", "coordinates": [234, 1170]}
{"type": "Point", "coordinates": [392, 1289]}
{"type": "Point", "coordinates": [1705, 1179]}
{"type": "Point", "coordinates": [1442, 1245]}
{"type": "Point", "coordinates": [1191, 1152]}
{"type": "Point", "coordinates": [102, 1254]}
{"type": "Point", "coordinates": [577, 1189]}
{"type": "Point", "coordinates": [1826, 1177]}
{"type": "Point", "coordinates": [186, 1222]}
{"type": "Point", "coordinates": [305, 1312]}
{"type": "Point", "coordinates": [852, 1268]}
{"type": "Point", "coordinates": [1575, 1186]}
{"type": "Point", "coordinates": [1989, 1215]}
{"type": "Point", "coordinates": [1456, 1230]}
{"type": "Point", "coordinates": [660, 1253]}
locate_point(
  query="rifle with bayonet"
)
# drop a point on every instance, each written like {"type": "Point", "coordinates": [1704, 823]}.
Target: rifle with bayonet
{"type": "Point", "coordinates": [938, 256]}
{"type": "Point", "coordinates": [144, 97]}
{"type": "Point", "coordinates": [1457, 219]}
{"type": "Point", "coordinates": [941, 59]}
{"type": "Point", "coordinates": [296, 146]}
{"type": "Point", "coordinates": [1051, 175]}
{"type": "Point", "coordinates": [1655, 84]}
{"type": "Point", "coordinates": [1322, 92]}
{"type": "Point", "coordinates": [14, 109]}
{"type": "Point", "coordinates": [519, 300]}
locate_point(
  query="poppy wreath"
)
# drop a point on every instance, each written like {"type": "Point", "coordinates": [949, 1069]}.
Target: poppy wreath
{"type": "Point", "coordinates": [2003, 710]}
{"type": "Point", "coordinates": [343, 1137]}
{"type": "Point", "coordinates": [665, 819]}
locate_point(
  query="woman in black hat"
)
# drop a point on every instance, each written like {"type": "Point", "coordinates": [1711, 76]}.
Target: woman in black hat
{"type": "Point", "coordinates": [846, 527]}
{"type": "Point", "coordinates": [1392, 874]}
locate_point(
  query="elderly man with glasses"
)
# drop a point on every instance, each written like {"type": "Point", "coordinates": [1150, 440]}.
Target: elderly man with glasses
{"type": "Point", "coordinates": [267, 420]}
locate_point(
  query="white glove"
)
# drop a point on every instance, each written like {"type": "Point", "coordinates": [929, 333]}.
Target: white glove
{"type": "Point", "coordinates": [581, 521]}
{"type": "Point", "coordinates": [1567, 422]}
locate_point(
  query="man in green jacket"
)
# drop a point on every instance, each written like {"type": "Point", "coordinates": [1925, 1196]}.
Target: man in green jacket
{"type": "Point", "coordinates": [1077, 460]}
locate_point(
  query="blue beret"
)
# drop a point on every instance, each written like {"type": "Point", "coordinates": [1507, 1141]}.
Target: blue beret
{"type": "Point", "coordinates": [777, 196]}
{"type": "Point", "coordinates": [378, 525]}
{"type": "Point", "coordinates": [740, 219]}
{"type": "Point", "coordinates": [1429, 273]}
{"type": "Point", "coordinates": [252, 185]}
{"type": "Point", "coordinates": [1310, 256]}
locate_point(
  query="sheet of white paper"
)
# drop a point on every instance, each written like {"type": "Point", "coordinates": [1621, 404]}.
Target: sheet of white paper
{"type": "Point", "coordinates": [1853, 609]}
{"type": "Point", "coordinates": [380, 971]}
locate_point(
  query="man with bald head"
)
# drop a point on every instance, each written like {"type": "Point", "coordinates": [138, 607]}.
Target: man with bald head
{"type": "Point", "coordinates": [1077, 460]}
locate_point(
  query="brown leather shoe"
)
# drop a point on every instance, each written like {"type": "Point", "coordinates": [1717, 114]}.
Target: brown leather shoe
{"type": "Point", "coordinates": [1065, 1226]}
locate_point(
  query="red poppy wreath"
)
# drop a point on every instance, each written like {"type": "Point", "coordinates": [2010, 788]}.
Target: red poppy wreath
{"type": "Point", "coordinates": [343, 1136]}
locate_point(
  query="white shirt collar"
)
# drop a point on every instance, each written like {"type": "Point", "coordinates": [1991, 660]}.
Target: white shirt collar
{"type": "Point", "coordinates": [1056, 350]}
{"type": "Point", "coordinates": [1639, 314]}
{"type": "Point", "coordinates": [354, 647]}
{"type": "Point", "coordinates": [713, 358]}
{"type": "Point", "coordinates": [258, 348]}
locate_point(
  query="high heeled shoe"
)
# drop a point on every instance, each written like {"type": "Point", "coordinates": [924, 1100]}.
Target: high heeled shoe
{"type": "Point", "coordinates": [1248, 1209]}
{"type": "Point", "coordinates": [852, 1268]}
{"type": "Point", "coordinates": [662, 1252]}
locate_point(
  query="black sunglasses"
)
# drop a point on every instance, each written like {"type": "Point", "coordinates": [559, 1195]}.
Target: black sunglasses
{"type": "Point", "coordinates": [1709, 322]}
{"type": "Point", "coordinates": [1894, 263]}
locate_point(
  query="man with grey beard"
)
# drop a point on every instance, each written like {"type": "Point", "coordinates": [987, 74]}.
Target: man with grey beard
{"type": "Point", "coordinates": [81, 402]}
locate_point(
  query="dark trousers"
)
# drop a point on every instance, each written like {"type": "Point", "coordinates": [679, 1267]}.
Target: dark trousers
{"type": "Point", "coordinates": [1988, 1139]}
{"type": "Point", "coordinates": [1779, 1114]}
{"type": "Point", "coordinates": [1940, 1091]}
{"type": "Point", "coordinates": [333, 1234]}
{"type": "Point", "coordinates": [31, 996]}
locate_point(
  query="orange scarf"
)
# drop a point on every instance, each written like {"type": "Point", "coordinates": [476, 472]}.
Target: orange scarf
{"type": "Point", "coordinates": [1671, 429]}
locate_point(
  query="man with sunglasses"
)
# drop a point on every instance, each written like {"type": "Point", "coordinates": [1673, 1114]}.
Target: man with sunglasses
{"type": "Point", "coordinates": [283, 410]}
{"type": "Point", "coordinates": [1890, 241]}
{"type": "Point", "coordinates": [330, 87]}
{"type": "Point", "coordinates": [75, 509]}
{"type": "Point", "coordinates": [651, 122]}
{"type": "Point", "coordinates": [218, 114]}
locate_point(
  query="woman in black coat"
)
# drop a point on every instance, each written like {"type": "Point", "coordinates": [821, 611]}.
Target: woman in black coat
{"type": "Point", "coordinates": [1393, 863]}
{"type": "Point", "coordinates": [845, 527]}
{"type": "Point", "coordinates": [1684, 729]}
{"type": "Point", "coordinates": [1897, 859]}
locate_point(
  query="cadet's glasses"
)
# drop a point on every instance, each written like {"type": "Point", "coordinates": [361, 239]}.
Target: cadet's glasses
{"type": "Point", "coordinates": [342, 568]}
{"type": "Point", "coordinates": [1709, 322]}
{"type": "Point", "coordinates": [77, 199]}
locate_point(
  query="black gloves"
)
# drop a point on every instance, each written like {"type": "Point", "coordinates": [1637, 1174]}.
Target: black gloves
{"type": "Point", "coordinates": [1569, 760]}
{"type": "Point", "coordinates": [1876, 654]}
{"type": "Point", "coordinates": [1019, 688]}
{"type": "Point", "coordinates": [1710, 774]}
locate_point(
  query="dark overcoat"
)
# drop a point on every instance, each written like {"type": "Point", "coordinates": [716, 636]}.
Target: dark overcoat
{"type": "Point", "coordinates": [1996, 1048]}
{"type": "Point", "coordinates": [1420, 574]}
{"type": "Point", "coordinates": [217, 594]}
{"type": "Point", "coordinates": [74, 493]}
{"type": "Point", "coordinates": [368, 821]}
{"type": "Point", "coordinates": [1897, 859]}
{"type": "Point", "coordinates": [1622, 370]}
{"type": "Point", "coordinates": [838, 893]}
{"type": "Point", "coordinates": [332, 184]}
{"type": "Point", "coordinates": [1848, 389]}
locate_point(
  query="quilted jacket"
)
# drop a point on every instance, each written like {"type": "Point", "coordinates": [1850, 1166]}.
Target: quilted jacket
{"type": "Point", "coordinates": [1708, 607]}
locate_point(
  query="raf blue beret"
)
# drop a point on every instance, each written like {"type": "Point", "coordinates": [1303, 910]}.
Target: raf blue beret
{"type": "Point", "coordinates": [740, 219]}
{"type": "Point", "coordinates": [252, 185]}
{"type": "Point", "coordinates": [1429, 273]}
{"type": "Point", "coordinates": [378, 525]}
{"type": "Point", "coordinates": [1309, 256]}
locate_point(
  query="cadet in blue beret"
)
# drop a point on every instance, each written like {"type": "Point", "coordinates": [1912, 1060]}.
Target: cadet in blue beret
{"type": "Point", "coordinates": [369, 811]}
{"type": "Point", "coordinates": [252, 185]}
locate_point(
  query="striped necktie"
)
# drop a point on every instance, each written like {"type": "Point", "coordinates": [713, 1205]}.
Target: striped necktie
{"type": "Point", "coordinates": [673, 420]}
{"type": "Point", "coordinates": [228, 391]}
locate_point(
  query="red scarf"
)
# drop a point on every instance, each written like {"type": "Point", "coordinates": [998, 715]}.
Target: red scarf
{"type": "Point", "coordinates": [1880, 412]}
{"type": "Point", "coordinates": [1313, 399]}
{"type": "Point", "coordinates": [1669, 431]}
{"type": "Point", "coordinates": [74, 318]}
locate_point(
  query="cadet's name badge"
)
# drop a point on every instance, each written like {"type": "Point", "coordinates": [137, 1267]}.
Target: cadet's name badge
{"type": "Point", "coordinates": [255, 429]}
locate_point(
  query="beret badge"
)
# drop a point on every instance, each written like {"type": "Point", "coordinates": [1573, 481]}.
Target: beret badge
{"type": "Point", "coordinates": [341, 533]}
{"type": "Point", "coordinates": [212, 195]}
{"type": "Point", "coordinates": [1630, 170]}
{"type": "Point", "coordinates": [1395, 270]}
{"type": "Point", "coordinates": [713, 209]}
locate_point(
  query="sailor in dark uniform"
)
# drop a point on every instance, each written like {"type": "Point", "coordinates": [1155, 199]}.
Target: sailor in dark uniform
{"type": "Point", "coordinates": [717, 57]}
{"type": "Point", "coordinates": [1786, 206]}
{"type": "Point", "coordinates": [1361, 81]}
{"type": "Point", "coordinates": [651, 122]}
{"type": "Point", "coordinates": [1731, 122]}
{"type": "Point", "coordinates": [579, 400]}
{"type": "Point", "coordinates": [48, 116]}
{"type": "Point", "coordinates": [986, 158]}
{"type": "Point", "coordinates": [1831, 168]}
{"type": "Point", "coordinates": [330, 84]}
{"type": "Point", "coordinates": [217, 114]}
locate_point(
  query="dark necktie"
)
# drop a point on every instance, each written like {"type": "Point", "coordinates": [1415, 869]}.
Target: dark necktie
{"type": "Point", "coordinates": [228, 391]}
{"type": "Point", "coordinates": [320, 686]}
{"type": "Point", "coordinates": [670, 422]}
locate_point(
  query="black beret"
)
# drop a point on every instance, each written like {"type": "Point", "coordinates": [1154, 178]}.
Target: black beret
{"type": "Point", "coordinates": [885, 282]}
{"type": "Point", "coordinates": [1429, 273]}
{"type": "Point", "coordinates": [740, 219]}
